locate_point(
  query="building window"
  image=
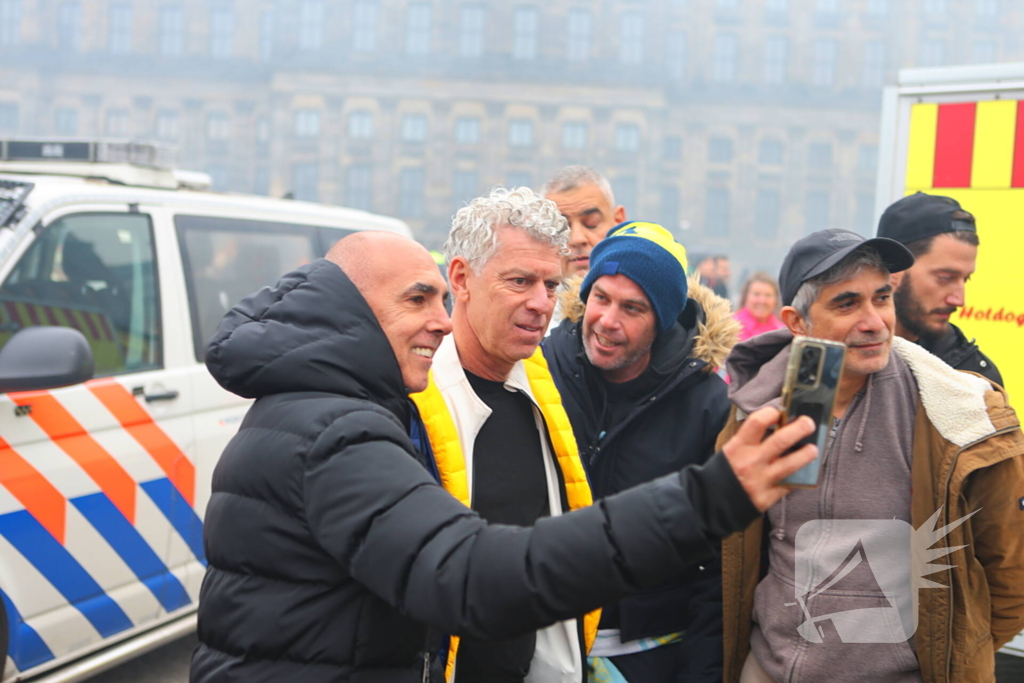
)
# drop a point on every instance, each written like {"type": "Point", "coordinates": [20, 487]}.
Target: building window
{"type": "Point", "coordinates": [167, 125]}
{"type": "Point", "coordinates": [218, 128]}
{"type": "Point", "coordinates": [726, 49]}
{"type": "Point", "coordinates": [311, 25]}
{"type": "Point", "coordinates": [827, 7]}
{"type": "Point", "coordinates": [119, 36]}
{"type": "Point", "coordinates": [465, 185]}
{"type": "Point", "coordinates": [268, 35]}
{"type": "Point", "coordinates": [984, 51]}
{"type": "Point", "coordinates": [471, 31]}
{"type": "Point", "coordinates": [467, 130]}
{"type": "Point", "coordinates": [624, 191]}
{"type": "Point", "coordinates": [117, 123]}
{"type": "Point", "coordinates": [306, 182]}
{"type": "Point", "coordinates": [69, 26]}
{"type": "Point", "coordinates": [867, 158]}
{"type": "Point", "coordinates": [878, 8]}
{"type": "Point", "coordinates": [819, 155]}
{"type": "Point", "coordinates": [672, 148]}
{"type": "Point", "coordinates": [261, 181]}
{"type": "Point", "coordinates": [171, 40]}
{"type": "Point", "coordinates": [826, 52]}
{"type": "Point", "coordinates": [10, 117]}
{"type": "Point", "coordinates": [720, 150]}
{"type": "Point", "coordinates": [675, 55]}
{"type": "Point", "coordinates": [520, 133]}
{"type": "Point", "coordinates": [222, 33]}
{"type": "Point", "coordinates": [360, 125]}
{"type": "Point", "coordinates": [574, 135]}
{"type": "Point", "coordinates": [307, 123]}
{"type": "Point", "coordinates": [631, 38]}
{"type": "Point", "coordinates": [775, 57]}
{"type": "Point", "coordinates": [263, 129]}
{"type": "Point", "coordinates": [627, 137]}
{"type": "Point", "coordinates": [525, 33]}
{"type": "Point", "coordinates": [65, 121]}
{"type": "Point", "coordinates": [874, 64]}
{"type": "Point", "coordinates": [359, 187]}
{"type": "Point", "coordinates": [933, 53]}
{"type": "Point", "coordinates": [716, 212]}
{"type": "Point", "coordinates": [935, 8]}
{"type": "Point", "coordinates": [410, 192]}
{"type": "Point", "coordinates": [417, 29]}
{"type": "Point", "coordinates": [769, 152]}
{"type": "Point", "coordinates": [864, 214]}
{"type": "Point", "coordinates": [364, 25]}
{"type": "Point", "coordinates": [670, 207]}
{"type": "Point", "coordinates": [10, 22]}
{"type": "Point", "coordinates": [518, 179]}
{"type": "Point", "coordinates": [816, 211]}
{"type": "Point", "coordinates": [766, 214]}
{"type": "Point", "coordinates": [414, 128]}
{"type": "Point", "coordinates": [986, 9]}
{"type": "Point", "coordinates": [580, 28]}
{"type": "Point", "coordinates": [218, 177]}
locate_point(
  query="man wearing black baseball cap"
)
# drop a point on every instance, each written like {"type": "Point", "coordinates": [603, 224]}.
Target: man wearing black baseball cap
{"type": "Point", "coordinates": [944, 240]}
{"type": "Point", "coordinates": [909, 436]}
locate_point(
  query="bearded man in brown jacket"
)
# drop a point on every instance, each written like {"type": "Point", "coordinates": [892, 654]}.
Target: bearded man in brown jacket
{"type": "Point", "coordinates": [833, 584]}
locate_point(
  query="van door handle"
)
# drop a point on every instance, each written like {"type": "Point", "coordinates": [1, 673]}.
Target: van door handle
{"type": "Point", "coordinates": [162, 396]}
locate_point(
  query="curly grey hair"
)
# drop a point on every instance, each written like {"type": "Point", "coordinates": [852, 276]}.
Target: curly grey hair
{"type": "Point", "coordinates": [571, 177]}
{"type": "Point", "coordinates": [473, 235]}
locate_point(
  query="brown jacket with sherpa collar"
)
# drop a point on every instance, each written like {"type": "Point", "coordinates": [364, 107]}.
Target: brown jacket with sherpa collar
{"type": "Point", "coordinates": [968, 456]}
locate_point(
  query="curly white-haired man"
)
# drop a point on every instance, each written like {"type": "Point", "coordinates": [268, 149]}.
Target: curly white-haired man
{"type": "Point", "coordinates": [494, 420]}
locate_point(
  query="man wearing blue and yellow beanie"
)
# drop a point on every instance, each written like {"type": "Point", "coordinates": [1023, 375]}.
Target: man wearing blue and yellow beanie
{"type": "Point", "coordinates": [635, 367]}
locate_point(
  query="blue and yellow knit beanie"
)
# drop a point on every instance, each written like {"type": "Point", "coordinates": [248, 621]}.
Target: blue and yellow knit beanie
{"type": "Point", "coordinates": [647, 254]}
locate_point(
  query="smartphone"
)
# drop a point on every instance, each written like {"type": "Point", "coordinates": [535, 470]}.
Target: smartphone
{"type": "Point", "coordinates": [812, 378]}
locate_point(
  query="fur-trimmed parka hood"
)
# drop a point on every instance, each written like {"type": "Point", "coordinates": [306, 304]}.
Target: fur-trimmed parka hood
{"type": "Point", "coordinates": [717, 331]}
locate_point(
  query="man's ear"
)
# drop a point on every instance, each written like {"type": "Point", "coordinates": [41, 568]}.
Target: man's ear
{"type": "Point", "coordinates": [458, 275]}
{"type": "Point", "coordinates": [619, 214]}
{"type": "Point", "coordinates": [896, 279]}
{"type": "Point", "coordinates": [793, 320]}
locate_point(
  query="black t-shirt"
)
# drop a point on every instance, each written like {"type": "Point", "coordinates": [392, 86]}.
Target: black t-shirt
{"type": "Point", "coordinates": [509, 487]}
{"type": "Point", "coordinates": [509, 482]}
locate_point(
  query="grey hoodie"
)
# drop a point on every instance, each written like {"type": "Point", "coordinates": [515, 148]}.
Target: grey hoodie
{"type": "Point", "coordinates": [865, 476]}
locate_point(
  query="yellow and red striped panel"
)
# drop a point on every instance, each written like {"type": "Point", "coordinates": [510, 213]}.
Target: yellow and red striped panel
{"type": "Point", "coordinates": [976, 145]}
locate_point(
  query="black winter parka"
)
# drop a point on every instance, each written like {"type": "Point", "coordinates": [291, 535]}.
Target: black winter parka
{"type": "Point", "coordinates": [331, 548]}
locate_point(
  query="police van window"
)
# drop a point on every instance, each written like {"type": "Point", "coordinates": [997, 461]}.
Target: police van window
{"type": "Point", "coordinates": [227, 259]}
{"type": "Point", "coordinates": [97, 273]}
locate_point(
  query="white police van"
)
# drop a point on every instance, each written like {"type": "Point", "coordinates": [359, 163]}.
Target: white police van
{"type": "Point", "coordinates": [114, 271]}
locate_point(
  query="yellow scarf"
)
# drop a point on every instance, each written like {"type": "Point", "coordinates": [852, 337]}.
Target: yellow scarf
{"type": "Point", "coordinates": [451, 463]}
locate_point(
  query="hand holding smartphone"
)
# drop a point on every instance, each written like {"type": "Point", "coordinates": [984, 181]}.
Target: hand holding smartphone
{"type": "Point", "coordinates": [812, 379]}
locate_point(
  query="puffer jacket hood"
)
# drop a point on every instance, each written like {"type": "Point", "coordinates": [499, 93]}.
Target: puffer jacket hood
{"type": "Point", "coordinates": [283, 339]}
{"type": "Point", "coordinates": [710, 325]}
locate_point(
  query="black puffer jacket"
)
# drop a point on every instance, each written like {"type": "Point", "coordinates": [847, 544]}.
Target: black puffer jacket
{"type": "Point", "coordinates": [330, 545]}
{"type": "Point", "coordinates": [962, 354]}
{"type": "Point", "coordinates": [667, 418]}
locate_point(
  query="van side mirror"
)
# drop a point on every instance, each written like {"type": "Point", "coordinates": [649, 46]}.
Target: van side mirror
{"type": "Point", "coordinates": [44, 358]}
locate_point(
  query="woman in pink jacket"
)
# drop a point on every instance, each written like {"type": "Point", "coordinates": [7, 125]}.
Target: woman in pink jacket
{"type": "Point", "coordinates": [759, 302]}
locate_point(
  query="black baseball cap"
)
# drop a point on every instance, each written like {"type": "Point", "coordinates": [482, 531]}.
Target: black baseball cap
{"type": "Point", "coordinates": [813, 255]}
{"type": "Point", "coordinates": [921, 215]}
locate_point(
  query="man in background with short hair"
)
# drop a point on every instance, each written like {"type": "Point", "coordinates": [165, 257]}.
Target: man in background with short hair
{"type": "Point", "coordinates": [944, 241]}
{"type": "Point", "coordinates": [585, 198]}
